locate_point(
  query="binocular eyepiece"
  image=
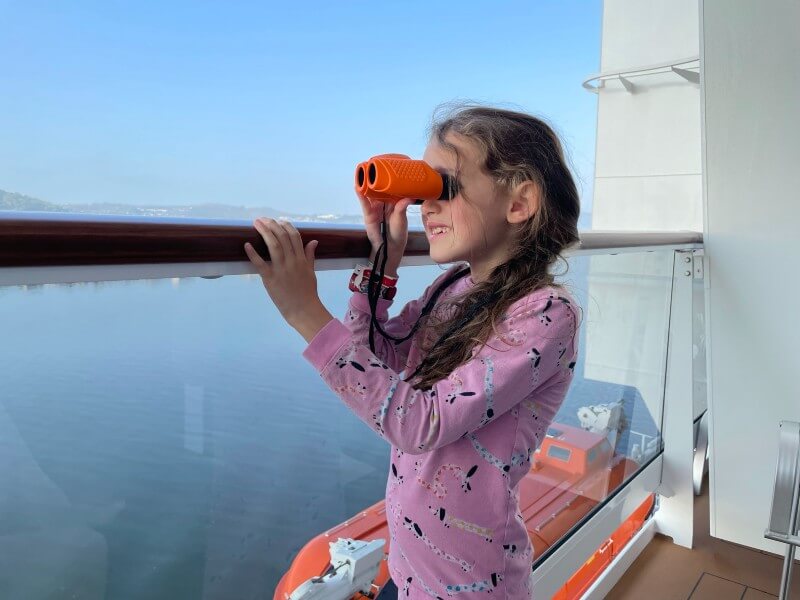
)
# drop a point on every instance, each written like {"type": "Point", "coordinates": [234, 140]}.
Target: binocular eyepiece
{"type": "Point", "coordinates": [392, 177]}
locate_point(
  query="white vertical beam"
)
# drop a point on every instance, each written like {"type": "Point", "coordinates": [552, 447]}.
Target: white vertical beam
{"type": "Point", "coordinates": [675, 517]}
{"type": "Point", "coordinates": [750, 59]}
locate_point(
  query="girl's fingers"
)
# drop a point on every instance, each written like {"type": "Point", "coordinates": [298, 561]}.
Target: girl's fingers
{"type": "Point", "coordinates": [255, 258]}
{"type": "Point", "coordinates": [370, 205]}
{"type": "Point", "coordinates": [401, 205]}
{"type": "Point", "coordinates": [367, 205]}
{"type": "Point", "coordinates": [274, 246]}
{"type": "Point", "coordinates": [399, 213]}
{"type": "Point", "coordinates": [294, 237]}
{"type": "Point", "coordinates": [281, 234]}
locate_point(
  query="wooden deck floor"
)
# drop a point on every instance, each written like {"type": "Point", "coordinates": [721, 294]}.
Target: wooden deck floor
{"type": "Point", "coordinates": [713, 569]}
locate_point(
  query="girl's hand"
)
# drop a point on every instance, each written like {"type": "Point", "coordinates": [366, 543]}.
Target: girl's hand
{"type": "Point", "coordinates": [396, 220]}
{"type": "Point", "coordinates": [289, 275]}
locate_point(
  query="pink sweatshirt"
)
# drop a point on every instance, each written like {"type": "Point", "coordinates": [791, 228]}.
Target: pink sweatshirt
{"type": "Point", "coordinates": [459, 449]}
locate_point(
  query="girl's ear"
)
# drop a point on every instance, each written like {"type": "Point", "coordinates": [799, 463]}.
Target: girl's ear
{"type": "Point", "coordinates": [523, 202]}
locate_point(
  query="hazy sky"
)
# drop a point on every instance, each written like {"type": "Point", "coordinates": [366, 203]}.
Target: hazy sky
{"type": "Point", "coordinates": [260, 103]}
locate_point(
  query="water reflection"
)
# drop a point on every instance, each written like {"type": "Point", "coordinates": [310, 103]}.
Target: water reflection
{"type": "Point", "coordinates": [165, 439]}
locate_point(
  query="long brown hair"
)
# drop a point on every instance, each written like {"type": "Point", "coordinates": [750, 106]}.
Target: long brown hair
{"type": "Point", "coordinates": [516, 147]}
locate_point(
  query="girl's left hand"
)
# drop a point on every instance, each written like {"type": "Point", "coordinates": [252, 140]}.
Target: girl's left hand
{"type": "Point", "coordinates": [289, 276]}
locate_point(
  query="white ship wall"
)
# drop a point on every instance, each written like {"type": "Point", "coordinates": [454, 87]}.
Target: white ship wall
{"type": "Point", "coordinates": [751, 63]}
{"type": "Point", "coordinates": [647, 177]}
{"type": "Point", "coordinates": [647, 163]}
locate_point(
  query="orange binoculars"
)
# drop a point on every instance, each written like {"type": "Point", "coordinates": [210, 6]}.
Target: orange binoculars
{"type": "Point", "coordinates": [392, 177]}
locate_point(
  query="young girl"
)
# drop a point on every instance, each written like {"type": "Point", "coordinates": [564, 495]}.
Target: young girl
{"type": "Point", "coordinates": [489, 366]}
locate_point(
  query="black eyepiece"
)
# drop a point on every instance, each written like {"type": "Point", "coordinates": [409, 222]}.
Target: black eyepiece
{"type": "Point", "coordinates": [449, 187]}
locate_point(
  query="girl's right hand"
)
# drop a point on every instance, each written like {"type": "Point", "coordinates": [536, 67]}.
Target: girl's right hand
{"type": "Point", "coordinates": [396, 221]}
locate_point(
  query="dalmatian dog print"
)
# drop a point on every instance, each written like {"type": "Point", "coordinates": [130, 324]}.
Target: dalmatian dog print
{"type": "Point", "coordinates": [448, 520]}
{"type": "Point", "coordinates": [462, 447]}
{"type": "Point", "coordinates": [438, 487]}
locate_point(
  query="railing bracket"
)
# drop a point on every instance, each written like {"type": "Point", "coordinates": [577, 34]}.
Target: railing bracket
{"type": "Point", "coordinates": [664, 490]}
{"type": "Point", "coordinates": [697, 263]}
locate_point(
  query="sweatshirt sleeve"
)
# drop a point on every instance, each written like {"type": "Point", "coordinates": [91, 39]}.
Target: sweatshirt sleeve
{"type": "Point", "coordinates": [358, 316]}
{"type": "Point", "coordinates": [534, 346]}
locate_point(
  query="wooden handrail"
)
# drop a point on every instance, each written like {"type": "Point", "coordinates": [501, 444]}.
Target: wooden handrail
{"type": "Point", "coordinates": [55, 239]}
{"type": "Point", "coordinates": [60, 241]}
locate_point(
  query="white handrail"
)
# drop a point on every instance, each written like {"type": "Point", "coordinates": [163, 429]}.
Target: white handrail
{"type": "Point", "coordinates": [672, 66]}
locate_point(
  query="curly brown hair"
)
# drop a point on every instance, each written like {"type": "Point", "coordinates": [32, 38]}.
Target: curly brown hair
{"type": "Point", "coordinates": [516, 147]}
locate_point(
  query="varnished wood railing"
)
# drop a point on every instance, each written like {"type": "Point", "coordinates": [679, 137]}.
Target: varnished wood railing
{"type": "Point", "coordinates": [46, 239]}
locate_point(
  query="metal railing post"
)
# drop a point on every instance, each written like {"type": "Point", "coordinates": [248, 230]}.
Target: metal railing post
{"type": "Point", "coordinates": [675, 516]}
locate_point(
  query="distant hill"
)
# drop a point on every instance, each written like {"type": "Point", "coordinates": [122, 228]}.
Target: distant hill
{"type": "Point", "coordinates": [18, 202]}
{"type": "Point", "coordinates": [12, 201]}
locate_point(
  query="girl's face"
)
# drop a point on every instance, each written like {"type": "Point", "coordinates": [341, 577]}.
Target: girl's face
{"type": "Point", "coordinates": [477, 230]}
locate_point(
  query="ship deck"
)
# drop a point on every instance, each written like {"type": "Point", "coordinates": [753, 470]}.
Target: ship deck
{"type": "Point", "coordinates": [713, 569]}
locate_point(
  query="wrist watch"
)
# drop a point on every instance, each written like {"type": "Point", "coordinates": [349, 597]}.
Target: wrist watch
{"type": "Point", "coordinates": [359, 282]}
{"type": "Point", "coordinates": [387, 293]}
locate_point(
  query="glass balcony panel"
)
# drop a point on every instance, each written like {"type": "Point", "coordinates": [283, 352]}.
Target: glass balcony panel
{"type": "Point", "coordinates": [611, 419]}
{"type": "Point", "coordinates": [166, 439]}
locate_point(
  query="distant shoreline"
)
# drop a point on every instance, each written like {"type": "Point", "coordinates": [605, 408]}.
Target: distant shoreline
{"type": "Point", "coordinates": [11, 201]}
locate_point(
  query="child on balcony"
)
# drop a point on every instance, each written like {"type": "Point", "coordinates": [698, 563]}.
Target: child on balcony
{"type": "Point", "coordinates": [491, 353]}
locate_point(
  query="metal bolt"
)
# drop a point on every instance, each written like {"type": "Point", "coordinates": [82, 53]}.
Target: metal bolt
{"type": "Point", "coordinates": [688, 273]}
{"type": "Point", "coordinates": [687, 259]}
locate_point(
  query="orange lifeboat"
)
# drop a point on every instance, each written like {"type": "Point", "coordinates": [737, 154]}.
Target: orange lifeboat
{"type": "Point", "coordinates": [572, 471]}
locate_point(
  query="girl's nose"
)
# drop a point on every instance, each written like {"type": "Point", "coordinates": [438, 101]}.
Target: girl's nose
{"type": "Point", "coordinates": [430, 206]}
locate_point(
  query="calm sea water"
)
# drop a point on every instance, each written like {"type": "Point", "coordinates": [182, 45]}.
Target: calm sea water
{"type": "Point", "coordinates": [166, 439]}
